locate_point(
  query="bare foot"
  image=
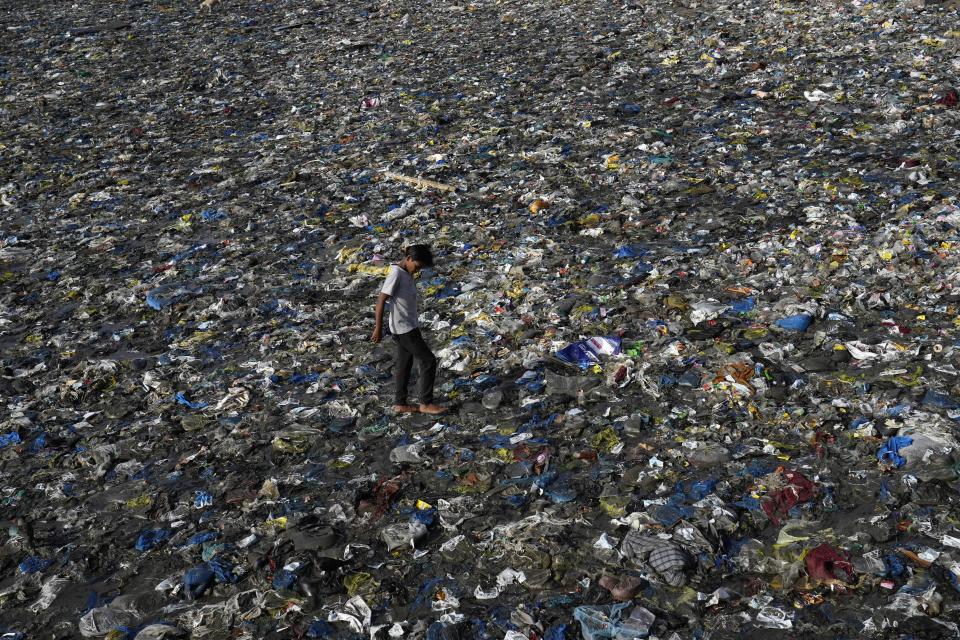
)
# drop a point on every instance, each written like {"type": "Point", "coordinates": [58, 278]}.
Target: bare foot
{"type": "Point", "coordinates": [432, 409]}
{"type": "Point", "coordinates": [405, 408]}
{"type": "Point", "coordinates": [621, 589]}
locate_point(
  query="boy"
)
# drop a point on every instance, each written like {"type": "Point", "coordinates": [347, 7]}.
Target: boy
{"type": "Point", "coordinates": [401, 289]}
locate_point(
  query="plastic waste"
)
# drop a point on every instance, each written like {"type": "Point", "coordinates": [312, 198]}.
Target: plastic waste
{"type": "Point", "coordinates": [587, 352]}
{"type": "Point", "coordinates": [100, 621]}
{"type": "Point", "coordinates": [695, 307]}
{"type": "Point", "coordinates": [614, 621]}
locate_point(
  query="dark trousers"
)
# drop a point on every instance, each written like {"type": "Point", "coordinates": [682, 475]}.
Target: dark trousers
{"type": "Point", "coordinates": [411, 346]}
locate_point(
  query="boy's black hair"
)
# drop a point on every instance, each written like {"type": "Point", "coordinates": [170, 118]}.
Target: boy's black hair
{"type": "Point", "coordinates": [421, 253]}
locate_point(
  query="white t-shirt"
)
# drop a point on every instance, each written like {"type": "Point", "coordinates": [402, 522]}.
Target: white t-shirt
{"type": "Point", "coordinates": [402, 289]}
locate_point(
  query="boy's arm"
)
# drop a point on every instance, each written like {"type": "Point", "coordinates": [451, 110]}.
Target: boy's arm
{"type": "Point", "coordinates": [378, 318]}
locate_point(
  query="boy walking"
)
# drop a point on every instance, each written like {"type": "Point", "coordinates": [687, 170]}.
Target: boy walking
{"type": "Point", "coordinates": [401, 289]}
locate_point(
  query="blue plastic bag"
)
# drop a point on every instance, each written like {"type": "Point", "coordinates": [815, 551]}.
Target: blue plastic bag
{"type": "Point", "coordinates": [636, 251]}
{"type": "Point", "coordinates": [201, 500]}
{"type": "Point", "coordinates": [558, 632]}
{"type": "Point", "coordinates": [9, 438]}
{"type": "Point", "coordinates": [197, 580]}
{"type": "Point", "coordinates": [150, 538]}
{"type": "Point", "coordinates": [200, 538]}
{"type": "Point", "coordinates": [211, 215]}
{"type": "Point", "coordinates": [890, 451]}
{"type": "Point", "coordinates": [222, 571]}
{"type": "Point", "coordinates": [284, 579]}
{"type": "Point", "coordinates": [182, 399]}
{"type": "Point", "coordinates": [799, 322]}
{"type": "Point", "coordinates": [34, 564]}
{"type": "Point", "coordinates": [743, 306]}
{"type": "Point", "coordinates": [586, 352]}
{"type": "Point", "coordinates": [320, 629]}
{"type": "Point", "coordinates": [940, 400]}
